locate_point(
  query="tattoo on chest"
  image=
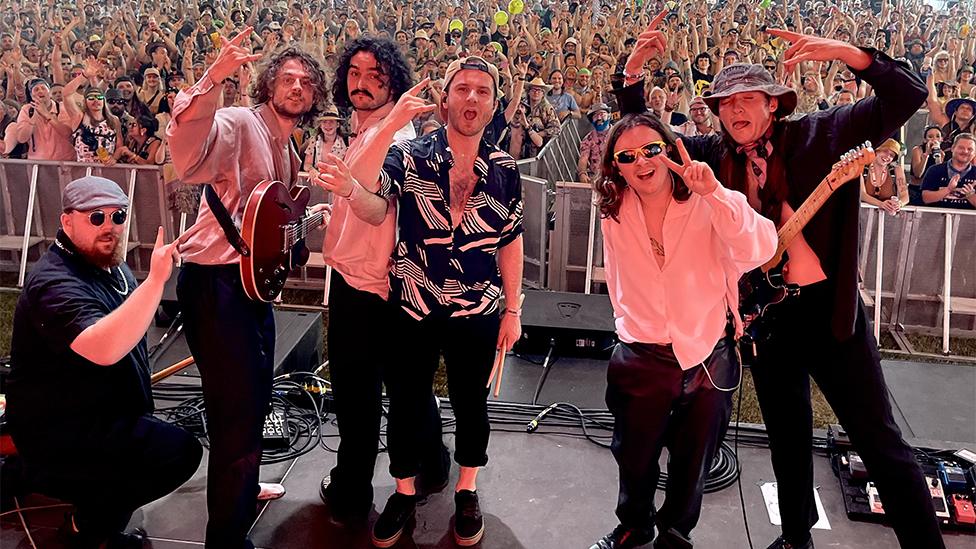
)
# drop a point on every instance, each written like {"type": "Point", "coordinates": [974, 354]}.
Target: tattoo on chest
{"type": "Point", "coordinates": [657, 247]}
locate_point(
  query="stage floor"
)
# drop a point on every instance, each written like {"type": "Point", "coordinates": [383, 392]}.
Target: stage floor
{"type": "Point", "coordinates": [543, 491]}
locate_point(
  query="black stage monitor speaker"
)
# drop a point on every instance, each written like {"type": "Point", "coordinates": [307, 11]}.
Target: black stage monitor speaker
{"type": "Point", "coordinates": [575, 324]}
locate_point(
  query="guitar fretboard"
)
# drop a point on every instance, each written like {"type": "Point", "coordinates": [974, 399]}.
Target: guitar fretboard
{"type": "Point", "coordinates": [840, 174]}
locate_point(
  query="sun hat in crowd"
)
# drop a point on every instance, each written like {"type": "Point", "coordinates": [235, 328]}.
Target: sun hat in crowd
{"type": "Point", "coordinates": [952, 105]}
{"type": "Point", "coordinates": [745, 77]}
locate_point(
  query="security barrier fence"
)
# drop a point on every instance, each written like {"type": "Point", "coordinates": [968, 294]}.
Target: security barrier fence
{"type": "Point", "coordinates": [926, 281]}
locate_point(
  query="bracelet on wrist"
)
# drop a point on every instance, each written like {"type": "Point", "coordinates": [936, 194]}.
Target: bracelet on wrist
{"type": "Point", "coordinates": [636, 76]}
{"type": "Point", "coordinates": [513, 312]}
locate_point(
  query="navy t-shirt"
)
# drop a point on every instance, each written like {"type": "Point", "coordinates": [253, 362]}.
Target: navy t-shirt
{"type": "Point", "coordinates": [54, 393]}
{"type": "Point", "coordinates": [938, 176]}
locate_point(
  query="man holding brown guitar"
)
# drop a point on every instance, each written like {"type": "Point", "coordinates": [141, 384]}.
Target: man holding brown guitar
{"type": "Point", "coordinates": [821, 331]}
{"type": "Point", "coordinates": [231, 336]}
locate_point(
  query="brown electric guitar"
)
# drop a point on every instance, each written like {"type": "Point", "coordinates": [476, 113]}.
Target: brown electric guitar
{"type": "Point", "coordinates": [765, 287]}
{"type": "Point", "coordinates": [274, 226]}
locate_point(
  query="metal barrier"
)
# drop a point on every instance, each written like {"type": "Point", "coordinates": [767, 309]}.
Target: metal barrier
{"type": "Point", "coordinates": [31, 193]}
{"type": "Point", "coordinates": [928, 288]}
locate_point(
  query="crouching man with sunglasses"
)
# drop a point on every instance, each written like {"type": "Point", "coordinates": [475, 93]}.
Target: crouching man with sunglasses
{"type": "Point", "coordinates": [79, 401]}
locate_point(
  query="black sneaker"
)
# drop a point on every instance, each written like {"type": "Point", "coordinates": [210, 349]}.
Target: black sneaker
{"type": "Point", "coordinates": [389, 527]}
{"type": "Point", "coordinates": [469, 525]}
{"type": "Point", "coordinates": [781, 543]}
{"type": "Point", "coordinates": [624, 538]}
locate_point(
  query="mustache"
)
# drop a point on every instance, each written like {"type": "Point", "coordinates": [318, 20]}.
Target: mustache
{"type": "Point", "coordinates": [363, 92]}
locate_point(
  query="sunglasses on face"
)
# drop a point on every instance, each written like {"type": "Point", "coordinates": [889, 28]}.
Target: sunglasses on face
{"type": "Point", "coordinates": [649, 150]}
{"type": "Point", "coordinates": [97, 217]}
{"type": "Point", "coordinates": [116, 101]}
{"type": "Point", "coordinates": [95, 97]}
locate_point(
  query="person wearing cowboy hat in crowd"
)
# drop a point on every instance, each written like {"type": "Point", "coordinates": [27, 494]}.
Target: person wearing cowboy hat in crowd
{"type": "Point", "coordinates": [591, 147]}
{"type": "Point", "coordinates": [883, 182]}
{"type": "Point", "coordinates": [964, 79]}
{"type": "Point", "coordinates": [535, 122]}
{"type": "Point", "coordinates": [151, 92]}
{"type": "Point", "coordinates": [822, 332]}
{"type": "Point", "coordinates": [959, 117]}
{"type": "Point", "coordinates": [327, 138]}
{"type": "Point", "coordinates": [700, 120]}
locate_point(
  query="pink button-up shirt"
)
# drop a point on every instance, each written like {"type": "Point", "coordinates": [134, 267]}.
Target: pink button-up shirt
{"type": "Point", "coordinates": [709, 242]}
{"type": "Point", "coordinates": [234, 149]}
{"type": "Point", "coordinates": [45, 142]}
{"type": "Point", "coordinates": [359, 251]}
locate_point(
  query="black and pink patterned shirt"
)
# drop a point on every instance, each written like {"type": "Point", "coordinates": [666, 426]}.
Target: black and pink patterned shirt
{"type": "Point", "coordinates": [435, 266]}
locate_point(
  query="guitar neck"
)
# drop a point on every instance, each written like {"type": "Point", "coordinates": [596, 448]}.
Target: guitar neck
{"type": "Point", "coordinates": [300, 229]}
{"type": "Point", "coordinates": [792, 228]}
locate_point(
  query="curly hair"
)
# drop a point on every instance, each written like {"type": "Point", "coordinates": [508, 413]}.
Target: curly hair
{"type": "Point", "coordinates": [391, 62]}
{"type": "Point", "coordinates": [610, 186]}
{"type": "Point", "coordinates": [263, 88]}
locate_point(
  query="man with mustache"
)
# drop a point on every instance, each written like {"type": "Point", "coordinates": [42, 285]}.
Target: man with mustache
{"type": "Point", "coordinates": [231, 337]}
{"type": "Point", "coordinates": [458, 250]}
{"type": "Point", "coordinates": [82, 320]}
{"type": "Point", "coordinates": [371, 76]}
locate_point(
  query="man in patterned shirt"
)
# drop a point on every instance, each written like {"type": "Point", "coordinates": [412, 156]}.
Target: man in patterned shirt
{"type": "Point", "coordinates": [459, 248]}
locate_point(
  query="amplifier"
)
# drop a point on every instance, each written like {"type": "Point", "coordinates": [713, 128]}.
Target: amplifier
{"type": "Point", "coordinates": [573, 324]}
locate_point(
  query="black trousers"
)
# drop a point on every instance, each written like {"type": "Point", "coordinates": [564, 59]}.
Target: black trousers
{"type": "Point", "coordinates": [359, 325]}
{"type": "Point", "coordinates": [849, 374]}
{"type": "Point", "coordinates": [232, 340]}
{"type": "Point", "coordinates": [109, 471]}
{"type": "Point", "coordinates": [656, 404]}
{"type": "Point", "coordinates": [468, 345]}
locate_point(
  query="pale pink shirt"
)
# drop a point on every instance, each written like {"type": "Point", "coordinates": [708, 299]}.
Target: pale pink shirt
{"type": "Point", "coordinates": [709, 242]}
{"type": "Point", "coordinates": [45, 142]}
{"type": "Point", "coordinates": [234, 149]}
{"type": "Point", "coordinates": [359, 251]}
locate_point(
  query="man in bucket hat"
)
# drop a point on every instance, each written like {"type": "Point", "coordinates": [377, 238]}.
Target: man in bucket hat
{"type": "Point", "coordinates": [82, 320]}
{"type": "Point", "coordinates": [822, 332]}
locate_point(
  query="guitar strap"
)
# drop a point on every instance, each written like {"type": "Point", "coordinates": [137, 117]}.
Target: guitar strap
{"type": "Point", "coordinates": [226, 223]}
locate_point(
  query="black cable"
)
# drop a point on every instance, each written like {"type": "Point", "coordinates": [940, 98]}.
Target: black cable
{"type": "Point", "coordinates": [738, 480]}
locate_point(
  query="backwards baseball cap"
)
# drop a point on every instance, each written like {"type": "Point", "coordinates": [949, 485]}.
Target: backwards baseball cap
{"type": "Point", "coordinates": [745, 77]}
{"type": "Point", "coordinates": [91, 192]}
{"type": "Point", "coordinates": [472, 62]}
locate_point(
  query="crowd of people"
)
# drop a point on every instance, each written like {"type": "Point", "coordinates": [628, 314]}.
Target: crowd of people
{"type": "Point", "coordinates": [95, 83]}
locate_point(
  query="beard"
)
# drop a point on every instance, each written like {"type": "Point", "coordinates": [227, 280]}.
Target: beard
{"type": "Point", "coordinates": [289, 108]}
{"type": "Point", "coordinates": [101, 258]}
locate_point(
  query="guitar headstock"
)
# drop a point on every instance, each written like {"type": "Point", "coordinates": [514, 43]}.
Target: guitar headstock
{"type": "Point", "coordinates": [852, 163]}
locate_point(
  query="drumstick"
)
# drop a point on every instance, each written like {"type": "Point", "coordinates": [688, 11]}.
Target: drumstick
{"type": "Point", "coordinates": [499, 365]}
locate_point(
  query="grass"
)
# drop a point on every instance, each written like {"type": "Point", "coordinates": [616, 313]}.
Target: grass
{"type": "Point", "coordinates": [822, 414]}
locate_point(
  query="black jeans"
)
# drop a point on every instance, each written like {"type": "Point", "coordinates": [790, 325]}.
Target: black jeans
{"type": "Point", "coordinates": [232, 339]}
{"type": "Point", "coordinates": [109, 471]}
{"type": "Point", "coordinates": [468, 344]}
{"type": "Point", "coordinates": [359, 323]}
{"type": "Point", "coordinates": [849, 374]}
{"type": "Point", "coordinates": [656, 404]}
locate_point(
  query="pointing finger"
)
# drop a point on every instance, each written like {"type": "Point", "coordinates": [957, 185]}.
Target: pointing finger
{"type": "Point", "coordinates": [672, 165]}
{"type": "Point", "coordinates": [785, 34]}
{"type": "Point", "coordinates": [658, 18]}
{"type": "Point", "coordinates": [683, 152]}
{"type": "Point", "coordinates": [159, 237]}
{"type": "Point", "coordinates": [419, 87]}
